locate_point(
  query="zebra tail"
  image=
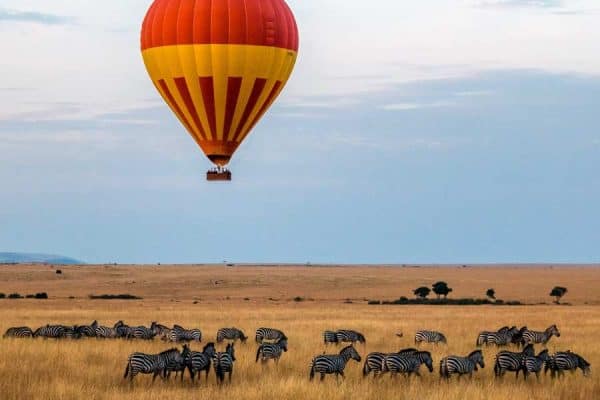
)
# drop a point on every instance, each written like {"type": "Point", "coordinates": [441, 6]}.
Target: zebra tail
{"type": "Point", "coordinates": [219, 372]}
{"type": "Point", "coordinates": [126, 370]}
{"type": "Point", "coordinates": [443, 368]}
{"type": "Point", "coordinates": [366, 368]}
{"type": "Point", "coordinates": [258, 353]}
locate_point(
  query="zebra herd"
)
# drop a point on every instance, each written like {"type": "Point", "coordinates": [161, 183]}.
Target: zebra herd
{"type": "Point", "coordinates": [175, 334]}
{"type": "Point", "coordinates": [272, 343]}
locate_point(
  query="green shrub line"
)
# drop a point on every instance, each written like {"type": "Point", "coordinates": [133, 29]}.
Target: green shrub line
{"type": "Point", "coordinates": [445, 302]}
{"type": "Point", "coordinates": [114, 297]}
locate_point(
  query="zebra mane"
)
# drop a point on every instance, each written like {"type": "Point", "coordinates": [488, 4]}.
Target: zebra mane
{"type": "Point", "coordinates": [346, 349]}
{"type": "Point", "coordinates": [581, 361]}
{"type": "Point", "coordinates": [209, 344]}
{"type": "Point", "coordinates": [471, 354]}
{"type": "Point", "coordinates": [169, 351]}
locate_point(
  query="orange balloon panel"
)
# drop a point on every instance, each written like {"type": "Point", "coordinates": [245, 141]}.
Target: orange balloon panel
{"type": "Point", "coordinates": [219, 65]}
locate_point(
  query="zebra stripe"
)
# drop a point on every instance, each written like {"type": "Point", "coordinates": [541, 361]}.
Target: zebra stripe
{"type": "Point", "coordinates": [87, 330]}
{"type": "Point", "coordinates": [461, 365]}
{"type": "Point", "coordinates": [374, 361]}
{"type": "Point", "coordinates": [534, 364]}
{"type": "Point", "coordinates": [540, 337]}
{"type": "Point", "coordinates": [223, 362]}
{"type": "Point", "coordinates": [180, 334]}
{"type": "Point", "coordinates": [159, 330]}
{"type": "Point", "coordinates": [271, 351]}
{"type": "Point", "coordinates": [148, 364]}
{"type": "Point", "coordinates": [350, 336]}
{"type": "Point", "coordinates": [175, 362]}
{"type": "Point", "coordinates": [482, 337]}
{"type": "Point", "coordinates": [407, 363]}
{"type": "Point", "coordinates": [19, 332]}
{"type": "Point", "coordinates": [502, 338]}
{"type": "Point", "coordinates": [330, 337]}
{"type": "Point", "coordinates": [566, 361]}
{"type": "Point", "coordinates": [200, 361]}
{"type": "Point", "coordinates": [333, 363]}
{"type": "Point", "coordinates": [429, 337]}
{"type": "Point", "coordinates": [231, 334]}
{"type": "Point", "coordinates": [263, 334]}
{"type": "Point", "coordinates": [512, 361]}
{"type": "Point", "coordinates": [50, 331]}
{"type": "Point", "coordinates": [141, 332]}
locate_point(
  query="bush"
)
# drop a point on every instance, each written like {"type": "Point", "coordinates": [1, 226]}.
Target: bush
{"type": "Point", "coordinates": [114, 297]}
{"type": "Point", "coordinates": [42, 295]}
{"type": "Point", "coordinates": [15, 296]}
{"type": "Point", "coordinates": [58, 272]}
{"type": "Point", "coordinates": [298, 299]}
{"type": "Point", "coordinates": [374, 302]}
{"type": "Point", "coordinates": [2, 296]}
{"type": "Point", "coordinates": [30, 296]}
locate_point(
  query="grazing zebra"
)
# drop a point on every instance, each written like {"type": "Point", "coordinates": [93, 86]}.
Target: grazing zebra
{"type": "Point", "coordinates": [374, 361]}
{"type": "Point", "coordinates": [50, 331]}
{"type": "Point", "coordinates": [263, 334]}
{"type": "Point", "coordinates": [71, 332]}
{"type": "Point", "coordinates": [501, 338]}
{"type": "Point", "coordinates": [180, 334]}
{"type": "Point", "coordinates": [330, 337]}
{"type": "Point", "coordinates": [430, 337]}
{"type": "Point", "coordinates": [482, 337]}
{"type": "Point", "coordinates": [104, 332]}
{"type": "Point", "coordinates": [19, 332]}
{"type": "Point", "coordinates": [535, 363]}
{"type": "Point", "coordinates": [88, 330]}
{"type": "Point", "coordinates": [123, 330]}
{"type": "Point", "coordinates": [231, 334]}
{"type": "Point", "coordinates": [350, 336]}
{"type": "Point", "coordinates": [512, 361]}
{"type": "Point", "coordinates": [461, 365]}
{"type": "Point", "coordinates": [155, 364]}
{"type": "Point", "coordinates": [141, 332]}
{"type": "Point", "coordinates": [566, 361]}
{"type": "Point", "coordinates": [518, 337]}
{"type": "Point", "coordinates": [271, 351]}
{"type": "Point", "coordinates": [159, 330]}
{"type": "Point", "coordinates": [197, 361]}
{"type": "Point", "coordinates": [407, 363]}
{"type": "Point", "coordinates": [333, 363]}
{"type": "Point", "coordinates": [223, 362]}
{"type": "Point", "coordinates": [540, 337]}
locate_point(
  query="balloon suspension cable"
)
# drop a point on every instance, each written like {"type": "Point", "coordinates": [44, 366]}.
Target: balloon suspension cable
{"type": "Point", "coordinates": [218, 174]}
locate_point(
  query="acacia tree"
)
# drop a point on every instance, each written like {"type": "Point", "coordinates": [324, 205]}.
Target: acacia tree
{"type": "Point", "coordinates": [558, 292]}
{"type": "Point", "coordinates": [491, 293]}
{"type": "Point", "coordinates": [422, 292]}
{"type": "Point", "coordinates": [441, 289]}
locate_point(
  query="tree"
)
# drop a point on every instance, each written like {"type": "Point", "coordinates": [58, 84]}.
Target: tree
{"type": "Point", "coordinates": [558, 292]}
{"type": "Point", "coordinates": [491, 293]}
{"type": "Point", "coordinates": [422, 292]}
{"type": "Point", "coordinates": [441, 289]}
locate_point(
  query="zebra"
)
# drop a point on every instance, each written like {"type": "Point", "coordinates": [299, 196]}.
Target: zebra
{"type": "Point", "coordinates": [71, 332]}
{"type": "Point", "coordinates": [263, 334]}
{"type": "Point", "coordinates": [566, 361]}
{"type": "Point", "coordinates": [19, 332]}
{"type": "Point", "coordinates": [141, 332]}
{"type": "Point", "coordinates": [461, 365]}
{"type": "Point", "coordinates": [512, 361]}
{"type": "Point", "coordinates": [271, 351]}
{"type": "Point", "coordinates": [231, 334]}
{"type": "Point", "coordinates": [330, 337]}
{"type": "Point", "coordinates": [223, 362]}
{"type": "Point", "coordinates": [159, 330]}
{"type": "Point", "coordinates": [197, 361]}
{"type": "Point", "coordinates": [517, 338]}
{"type": "Point", "coordinates": [333, 363]}
{"type": "Point", "coordinates": [180, 334]}
{"type": "Point", "coordinates": [407, 363]}
{"type": "Point", "coordinates": [540, 337]}
{"type": "Point", "coordinates": [430, 337]}
{"type": "Point", "coordinates": [350, 336]}
{"type": "Point", "coordinates": [88, 330]}
{"type": "Point", "coordinates": [482, 336]}
{"type": "Point", "coordinates": [155, 364]}
{"type": "Point", "coordinates": [50, 331]}
{"type": "Point", "coordinates": [175, 362]}
{"type": "Point", "coordinates": [123, 330]}
{"type": "Point", "coordinates": [501, 338]}
{"type": "Point", "coordinates": [374, 362]}
{"type": "Point", "coordinates": [535, 363]}
{"type": "Point", "coordinates": [104, 332]}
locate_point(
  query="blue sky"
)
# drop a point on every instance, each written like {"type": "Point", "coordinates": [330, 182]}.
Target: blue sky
{"type": "Point", "coordinates": [411, 132]}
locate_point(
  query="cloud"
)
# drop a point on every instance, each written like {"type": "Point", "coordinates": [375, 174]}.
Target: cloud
{"type": "Point", "coordinates": [8, 15]}
{"type": "Point", "coordinates": [416, 106]}
{"type": "Point", "coordinates": [520, 3]}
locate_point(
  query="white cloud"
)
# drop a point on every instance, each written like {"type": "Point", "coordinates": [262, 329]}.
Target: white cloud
{"type": "Point", "coordinates": [416, 106]}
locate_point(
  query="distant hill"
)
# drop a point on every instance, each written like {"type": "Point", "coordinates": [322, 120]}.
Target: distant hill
{"type": "Point", "coordinates": [25, 258]}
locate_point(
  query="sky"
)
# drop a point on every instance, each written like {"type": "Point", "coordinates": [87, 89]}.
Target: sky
{"type": "Point", "coordinates": [431, 131]}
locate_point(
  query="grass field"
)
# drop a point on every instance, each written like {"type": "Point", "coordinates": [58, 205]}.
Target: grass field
{"type": "Point", "coordinates": [46, 369]}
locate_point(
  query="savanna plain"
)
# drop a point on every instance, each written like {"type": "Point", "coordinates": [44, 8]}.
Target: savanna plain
{"type": "Point", "coordinates": [302, 301]}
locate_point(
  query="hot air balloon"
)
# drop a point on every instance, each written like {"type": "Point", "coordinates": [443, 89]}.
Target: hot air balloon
{"type": "Point", "coordinates": [219, 65]}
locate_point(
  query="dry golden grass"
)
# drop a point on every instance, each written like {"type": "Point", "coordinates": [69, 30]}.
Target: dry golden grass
{"type": "Point", "coordinates": [47, 369]}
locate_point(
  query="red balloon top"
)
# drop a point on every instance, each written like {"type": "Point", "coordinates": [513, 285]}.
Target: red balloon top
{"type": "Point", "coordinates": [253, 22]}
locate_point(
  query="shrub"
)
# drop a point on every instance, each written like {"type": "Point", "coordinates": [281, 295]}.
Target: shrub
{"type": "Point", "coordinates": [422, 292]}
{"type": "Point", "coordinates": [58, 271]}
{"type": "Point", "coordinates": [558, 292]}
{"type": "Point", "coordinates": [114, 297]}
{"type": "Point", "coordinates": [15, 296]}
{"type": "Point", "coordinates": [2, 296]}
{"type": "Point", "coordinates": [298, 299]}
{"type": "Point", "coordinates": [374, 302]}
{"type": "Point", "coordinates": [30, 296]}
{"type": "Point", "coordinates": [42, 295]}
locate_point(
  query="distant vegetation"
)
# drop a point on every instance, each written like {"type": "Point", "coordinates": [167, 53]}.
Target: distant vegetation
{"type": "Point", "coordinates": [42, 295]}
{"type": "Point", "coordinates": [34, 258]}
{"type": "Point", "coordinates": [558, 292]}
{"type": "Point", "coordinates": [114, 297]}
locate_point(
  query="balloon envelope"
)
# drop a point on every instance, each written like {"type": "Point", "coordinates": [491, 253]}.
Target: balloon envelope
{"type": "Point", "coordinates": [219, 64]}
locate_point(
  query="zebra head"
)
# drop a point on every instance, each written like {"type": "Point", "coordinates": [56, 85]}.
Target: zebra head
{"type": "Point", "coordinates": [209, 349]}
{"type": "Point", "coordinates": [584, 365]}
{"type": "Point", "coordinates": [231, 351]}
{"type": "Point", "coordinates": [528, 350]}
{"type": "Point", "coordinates": [425, 358]}
{"type": "Point", "coordinates": [361, 338]}
{"type": "Point", "coordinates": [243, 337]}
{"type": "Point", "coordinates": [349, 352]}
{"type": "Point", "coordinates": [553, 330]}
{"type": "Point", "coordinates": [443, 338]}
{"type": "Point", "coordinates": [503, 329]}
{"type": "Point", "coordinates": [476, 358]}
{"type": "Point", "coordinates": [283, 344]}
{"type": "Point", "coordinates": [119, 324]}
{"type": "Point", "coordinates": [544, 356]}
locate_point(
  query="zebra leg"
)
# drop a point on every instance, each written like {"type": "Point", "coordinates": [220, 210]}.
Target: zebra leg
{"type": "Point", "coordinates": [322, 376]}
